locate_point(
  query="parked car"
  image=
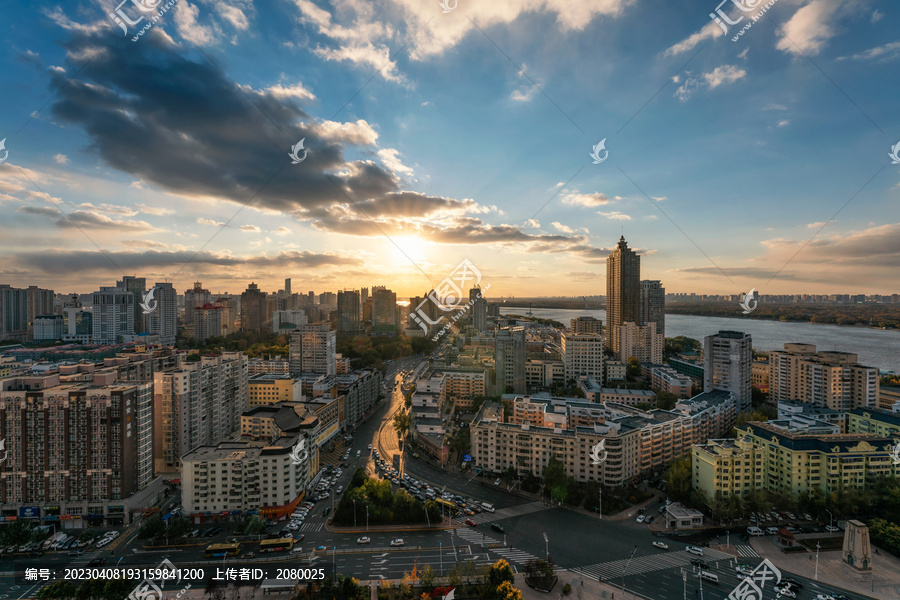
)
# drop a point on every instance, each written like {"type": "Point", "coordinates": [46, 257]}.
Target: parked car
{"type": "Point", "coordinates": [661, 545]}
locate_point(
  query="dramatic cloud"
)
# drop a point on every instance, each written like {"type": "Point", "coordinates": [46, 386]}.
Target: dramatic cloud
{"type": "Point", "coordinates": [809, 30]}
{"type": "Point", "coordinates": [587, 200]}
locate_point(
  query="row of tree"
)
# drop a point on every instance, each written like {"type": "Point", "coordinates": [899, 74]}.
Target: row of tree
{"type": "Point", "coordinates": [377, 499]}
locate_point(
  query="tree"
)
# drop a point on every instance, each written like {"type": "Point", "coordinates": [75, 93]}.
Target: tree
{"type": "Point", "coordinates": [401, 424]}
{"type": "Point", "coordinates": [153, 528]}
{"type": "Point", "coordinates": [499, 572]}
{"type": "Point", "coordinates": [506, 591]}
{"type": "Point", "coordinates": [461, 443]}
{"type": "Point", "coordinates": [678, 478]}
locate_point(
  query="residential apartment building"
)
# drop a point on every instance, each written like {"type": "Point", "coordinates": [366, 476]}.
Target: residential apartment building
{"type": "Point", "coordinates": [667, 380]}
{"type": "Point", "coordinates": [76, 450]}
{"type": "Point", "coordinates": [244, 476]}
{"type": "Point", "coordinates": [272, 421]}
{"type": "Point", "coordinates": [329, 409]}
{"type": "Point", "coordinates": [194, 299]}
{"type": "Point", "coordinates": [163, 320]}
{"type": "Point", "coordinates": [792, 409]}
{"type": "Point", "coordinates": [349, 306]}
{"type": "Point", "coordinates": [728, 356]}
{"type": "Point", "coordinates": [286, 321]}
{"type": "Point", "coordinates": [544, 373]}
{"type": "Point", "coordinates": [137, 286]}
{"type": "Point", "coordinates": [653, 305]}
{"type": "Point", "coordinates": [384, 311]}
{"type": "Point", "coordinates": [361, 391]}
{"type": "Point", "coordinates": [889, 397]}
{"type": "Point", "coordinates": [728, 466]}
{"type": "Point", "coordinates": [623, 292]}
{"type": "Point", "coordinates": [835, 379]}
{"type": "Point", "coordinates": [313, 349]}
{"type": "Point", "coordinates": [627, 397]}
{"type": "Point", "coordinates": [643, 342]}
{"type": "Point", "coordinates": [583, 325]}
{"type": "Point", "coordinates": [13, 314]}
{"type": "Point", "coordinates": [759, 374]}
{"type": "Point", "coordinates": [49, 328]}
{"type": "Point", "coordinates": [509, 360]}
{"type": "Point", "coordinates": [478, 309]}
{"type": "Point", "coordinates": [873, 421]}
{"type": "Point", "coordinates": [112, 315]}
{"type": "Point", "coordinates": [197, 403]}
{"type": "Point", "coordinates": [582, 354]}
{"type": "Point", "coordinates": [272, 389]}
{"type": "Point", "coordinates": [462, 386]}
{"type": "Point", "coordinates": [255, 315]}
{"type": "Point", "coordinates": [262, 366]}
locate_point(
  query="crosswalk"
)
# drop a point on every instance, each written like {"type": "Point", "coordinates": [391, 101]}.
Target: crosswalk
{"type": "Point", "coordinates": [476, 538]}
{"type": "Point", "coordinates": [645, 564]}
{"type": "Point", "coordinates": [473, 536]}
{"type": "Point", "coordinates": [512, 555]}
{"type": "Point", "coordinates": [512, 511]}
{"type": "Point", "coordinates": [307, 527]}
{"type": "Point", "coordinates": [746, 551]}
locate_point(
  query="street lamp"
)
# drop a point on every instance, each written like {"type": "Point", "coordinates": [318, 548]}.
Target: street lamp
{"type": "Point", "coordinates": [818, 545]}
{"type": "Point", "coordinates": [354, 513]}
{"type": "Point", "coordinates": [367, 516]}
{"type": "Point", "coordinates": [831, 522]}
{"type": "Point", "coordinates": [547, 547]}
{"type": "Point", "coordinates": [626, 568]}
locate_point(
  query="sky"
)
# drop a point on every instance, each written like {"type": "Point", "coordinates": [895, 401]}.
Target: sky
{"type": "Point", "coordinates": [523, 136]}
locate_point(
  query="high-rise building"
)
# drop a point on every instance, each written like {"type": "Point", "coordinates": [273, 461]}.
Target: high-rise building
{"type": "Point", "coordinates": [509, 360]}
{"type": "Point", "coordinates": [384, 312]}
{"type": "Point", "coordinates": [138, 287]}
{"type": "Point", "coordinates": [641, 342]}
{"type": "Point", "coordinates": [328, 299]}
{"type": "Point", "coordinates": [582, 325]}
{"type": "Point", "coordinates": [163, 320]}
{"type": "Point", "coordinates": [287, 287]}
{"type": "Point", "coordinates": [348, 307]}
{"type": "Point", "coordinates": [727, 365]}
{"type": "Point", "coordinates": [653, 305]}
{"type": "Point", "coordinates": [286, 321]}
{"type": "Point", "coordinates": [113, 315]}
{"type": "Point", "coordinates": [313, 349]}
{"type": "Point", "coordinates": [363, 297]}
{"type": "Point", "coordinates": [13, 314]}
{"type": "Point", "coordinates": [48, 328]}
{"type": "Point", "coordinates": [195, 298]}
{"type": "Point", "coordinates": [254, 309]}
{"type": "Point", "coordinates": [582, 355]}
{"type": "Point", "coordinates": [835, 379]}
{"type": "Point", "coordinates": [39, 302]}
{"type": "Point", "coordinates": [623, 291]}
{"type": "Point", "coordinates": [198, 403]}
{"type": "Point", "coordinates": [479, 309]}
{"type": "Point", "coordinates": [75, 448]}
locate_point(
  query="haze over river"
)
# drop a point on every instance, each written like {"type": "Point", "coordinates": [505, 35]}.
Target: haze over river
{"type": "Point", "coordinates": [875, 347]}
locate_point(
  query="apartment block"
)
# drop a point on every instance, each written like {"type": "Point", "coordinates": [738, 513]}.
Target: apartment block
{"type": "Point", "coordinates": [112, 315]}
{"type": "Point", "coordinates": [272, 389]}
{"type": "Point", "coordinates": [667, 380]}
{"type": "Point", "coordinates": [255, 313]}
{"type": "Point", "coordinates": [77, 450]}
{"type": "Point", "coordinates": [462, 386]}
{"type": "Point", "coordinates": [835, 379]}
{"type": "Point", "coordinates": [727, 467]}
{"type": "Point", "coordinates": [653, 305]}
{"type": "Point", "coordinates": [544, 373]}
{"type": "Point", "coordinates": [275, 366]}
{"type": "Point", "coordinates": [49, 328]}
{"type": "Point", "coordinates": [361, 391]}
{"type": "Point", "coordinates": [348, 309]}
{"type": "Point", "coordinates": [643, 342]}
{"type": "Point", "coordinates": [286, 321]}
{"type": "Point", "coordinates": [872, 421]}
{"type": "Point", "coordinates": [759, 374]}
{"type": "Point", "coordinates": [273, 421]}
{"type": "Point", "coordinates": [582, 354]}
{"type": "Point", "coordinates": [585, 325]}
{"type": "Point", "coordinates": [889, 397]}
{"type": "Point", "coordinates": [811, 411]}
{"type": "Point", "coordinates": [197, 403]}
{"type": "Point", "coordinates": [194, 299]}
{"type": "Point", "coordinates": [727, 359]}
{"type": "Point", "coordinates": [313, 349]}
{"type": "Point", "coordinates": [163, 320]}
{"type": "Point", "coordinates": [509, 360]}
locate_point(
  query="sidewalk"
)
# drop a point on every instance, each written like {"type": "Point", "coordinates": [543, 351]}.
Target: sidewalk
{"type": "Point", "coordinates": [582, 588]}
{"type": "Point", "coordinates": [834, 571]}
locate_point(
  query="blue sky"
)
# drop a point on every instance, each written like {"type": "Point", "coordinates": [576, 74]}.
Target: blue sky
{"type": "Point", "coordinates": [434, 137]}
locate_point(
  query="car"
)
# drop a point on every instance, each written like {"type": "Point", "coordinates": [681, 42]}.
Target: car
{"type": "Point", "coordinates": [398, 542]}
{"type": "Point", "coordinates": [831, 529]}
{"type": "Point", "coordinates": [695, 550]}
{"type": "Point", "coordinates": [791, 516]}
{"type": "Point", "coordinates": [250, 555]}
{"type": "Point", "coordinates": [744, 570]}
{"type": "Point", "coordinates": [786, 591]}
{"type": "Point", "coordinates": [641, 511]}
{"type": "Point", "coordinates": [339, 489]}
{"type": "Point", "coordinates": [321, 549]}
{"type": "Point", "coordinates": [807, 517]}
{"type": "Point", "coordinates": [370, 447]}
{"type": "Point", "coordinates": [363, 540]}
{"type": "Point", "coordinates": [96, 562]}
{"type": "Point", "coordinates": [497, 527]}
{"type": "Point", "coordinates": [651, 519]}
{"type": "Point", "coordinates": [825, 597]}
{"type": "Point", "coordinates": [699, 563]}
{"type": "Point", "coordinates": [326, 511]}
{"type": "Point", "coordinates": [640, 519]}
{"type": "Point", "coordinates": [661, 545]}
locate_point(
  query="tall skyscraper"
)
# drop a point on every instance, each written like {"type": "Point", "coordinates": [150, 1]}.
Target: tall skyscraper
{"type": "Point", "coordinates": [164, 319]}
{"type": "Point", "coordinates": [254, 309]}
{"type": "Point", "coordinates": [195, 298]}
{"type": "Point", "coordinates": [479, 309]}
{"type": "Point", "coordinates": [384, 312]}
{"type": "Point", "coordinates": [113, 315]}
{"type": "Point", "coordinates": [653, 305]}
{"type": "Point", "coordinates": [287, 287]}
{"type": "Point", "coordinates": [728, 358]}
{"type": "Point", "coordinates": [138, 287]}
{"type": "Point", "coordinates": [509, 361]}
{"type": "Point", "coordinates": [313, 349]}
{"type": "Point", "coordinates": [623, 291]}
{"type": "Point", "coordinates": [348, 308]}
{"type": "Point", "coordinates": [13, 314]}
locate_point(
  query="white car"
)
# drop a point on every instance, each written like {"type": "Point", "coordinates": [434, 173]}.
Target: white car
{"type": "Point", "coordinates": [339, 489]}
{"type": "Point", "coordinates": [640, 519]}
{"type": "Point", "coordinates": [695, 550]}
{"type": "Point", "coordinates": [661, 545]}
{"type": "Point", "coordinates": [744, 570]}
{"type": "Point", "coordinates": [397, 542]}
{"type": "Point", "coordinates": [786, 591]}
{"type": "Point", "coordinates": [831, 529]}
{"type": "Point", "coordinates": [824, 597]}
{"type": "Point", "coordinates": [363, 540]}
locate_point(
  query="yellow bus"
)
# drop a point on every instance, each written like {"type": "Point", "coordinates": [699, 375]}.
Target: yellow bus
{"type": "Point", "coordinates": [447, 504]}
{"type": "Point", "coordinates": [276, 545]}
{"type": "Point", "coordinates": [219, 550]}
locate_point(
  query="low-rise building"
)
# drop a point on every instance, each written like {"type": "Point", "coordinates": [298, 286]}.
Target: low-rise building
{"type": "Point", "coordinates": [544, 373]}
{"type": "Point", "coordinates": [462, 386]}
{"type": "Point", "coordinates": [614, 370]}
{"type": "Point", "coordinates": [791, 409]}
{"type": "Point", "coordinates": [271, 389]}
{"type": "Point", "coordinates": [682, 517]}
{"type": "Point", "coordinates": [889, 397]}
{"type": "Point", "coordinates": [759, 374]}
{"type": "Point", "coordinates": [669, 381]}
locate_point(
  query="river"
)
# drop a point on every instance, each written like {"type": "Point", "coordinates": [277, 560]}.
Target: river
{"type": "Point", "coordinates": [874, 347]}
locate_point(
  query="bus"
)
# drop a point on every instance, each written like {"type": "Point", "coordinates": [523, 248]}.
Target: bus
{"type": "Point", "coordinates": [220, 550]}
{"type": "Point", "coordinates": [276, 545]}
{"type": "Point", "coordinates": [447, 505]}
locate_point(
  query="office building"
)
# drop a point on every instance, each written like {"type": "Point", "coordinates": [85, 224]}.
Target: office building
{"type": "Point", "coordinates": [138, 288]}
{"type": "Point", "coordinates": [313, 349]}
{"type": "Point", "coordinates": [384, 311]}
{"type": "Point", "coordinates": [623, 292]}
{"type": "Point", "coordinates": [479, 309]}
{"type": "Point", "coordinates": [835, 379]}
{"type": "Point", "coordinates": [112, 315]}
{"type": "Point", "coordinates": [163, 320]}
{"type": "Point", "coordinates": [509, 360]}
{"type": "Point", "coordinates": [195, 298]}
{"type": "Point", "coordinates": [198, 403]}
{"type": "Point", "coordinates": [254, 309]}
{"type": "Point", "coordinates": [580, 325]}
{"type": "Point", "coordinates": [643, 342]}
{"type": "Point", "coordinates": [272, 389]}
{"type": "Point", "coordinates": [287, 287]}
{"type": "Point", "coordinates": [727, 365]}
{"type": "Point", "coordinates": [348, 309]}
{"type": "Point", "coordinates": [75, 450]}
{"type": "Point", "coordinates": [49, 328]}
{"type": "Point", "coordinates": [653, 305]}
{"type": "Point", "coordinates": [582, 354]}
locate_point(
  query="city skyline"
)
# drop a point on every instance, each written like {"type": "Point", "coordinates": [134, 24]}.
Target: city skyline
{"type": "Point", "coordinates": [417, 158]}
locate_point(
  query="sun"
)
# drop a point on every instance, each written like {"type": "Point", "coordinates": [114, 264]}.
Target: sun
{"type": "Point", "coordinates": [408, 248]}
